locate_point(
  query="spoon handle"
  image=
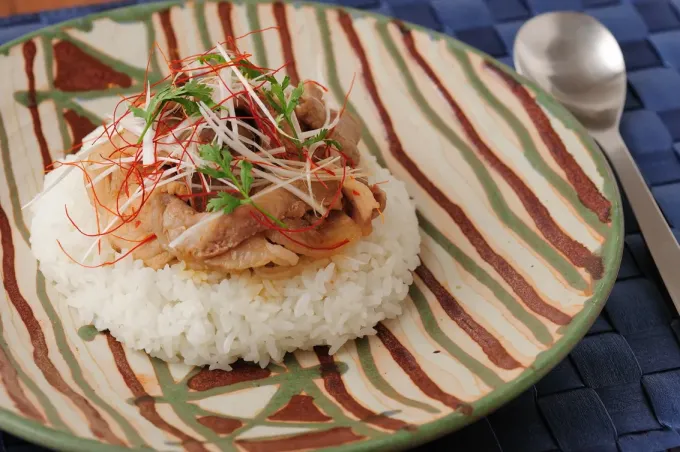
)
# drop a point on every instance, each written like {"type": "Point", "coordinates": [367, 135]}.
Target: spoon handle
{"type": "Point", "coordinates": [658, 235]}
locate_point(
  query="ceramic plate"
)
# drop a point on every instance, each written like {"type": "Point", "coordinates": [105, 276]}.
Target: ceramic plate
{"type": "Point", "coordinates": [519, 214]}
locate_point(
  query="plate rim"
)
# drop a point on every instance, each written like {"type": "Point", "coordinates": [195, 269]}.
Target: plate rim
{"type": "Point", "coordinates": [44, 435]}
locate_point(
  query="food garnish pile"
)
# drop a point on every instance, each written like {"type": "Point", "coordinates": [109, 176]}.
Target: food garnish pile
{"type": "Point", "coordinates": [226, 166]}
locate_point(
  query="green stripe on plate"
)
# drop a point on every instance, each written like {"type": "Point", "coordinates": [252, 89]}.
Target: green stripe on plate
{"type": "Point", "coordinates": [493, 193]}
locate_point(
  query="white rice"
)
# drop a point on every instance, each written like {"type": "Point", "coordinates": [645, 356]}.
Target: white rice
{"type": "Point", "coordinates": [176, 315]}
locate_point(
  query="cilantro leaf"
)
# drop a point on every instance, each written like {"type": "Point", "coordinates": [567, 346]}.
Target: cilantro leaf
{"type": "Point", "coordinates": [295, 98]}
{"type": "Point", "coordinates": [212, 172]}
{"type": "Point", "coordinates": [211, 58]}
{"type": "Point", "coordinates": [277, 90]}
{"type": "Point", "coordinates": [321, 136]}
{"type": "Point", "coordinates": [249, 71]}
{"type": "Point", "coordinates": [187, 95]}
{"type": "Point", "coordinates": [154, 102]}
{"type": "Point", "coordinates": [224, 202]}
{"type": "Point", "coordinates": [274, 103]}
{"type": "Point", "coordinates": [190, 108]}
{"type": "Point", "coordinates": [221, 156]}
{"type": "Point", "coordinates": [195, 89]}
{"type": "Point", "coordinates": [316, 138]}
{"type": "Point", "coordinates": [138, 112]}
{"type": "Point", "coordinates": [246, 175]}
{"type": "Point", "coordinates": [276, 97]}
{"type": "Point", "coordinates": [210, 152]}
{"type": "Point", "coordinates": [334, 143]}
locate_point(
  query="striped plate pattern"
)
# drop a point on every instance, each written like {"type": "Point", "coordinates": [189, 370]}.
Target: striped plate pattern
{"type": "Point", "coordinates": [520, 219]}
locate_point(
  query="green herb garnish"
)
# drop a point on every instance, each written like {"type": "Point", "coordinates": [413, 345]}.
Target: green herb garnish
{"type": "Point", "coordinates": [285, 108]}
{"type": "Point", "coordinates": [187, 95]}
{"type": "Point", "coordinates": [226, 202]}
{"type": "Point", "coordinates": [321, 136]}
{"type": "Point", "coordinates": [276, 97]}
{"type": "Point", "coordinates": [211, 58]}
{"type": "Point", "coordinates": [250, 72]}
{"type": "Point", "coordinates": [246, 68]}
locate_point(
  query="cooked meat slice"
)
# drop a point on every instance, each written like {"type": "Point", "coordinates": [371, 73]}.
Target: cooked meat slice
{"type": "Point", "coordinates": [215, 237]}
{"type": "Point", "coordinates": [348, 133]}
{"type": "Point", "coordinates": [130, 234]}
{"type": "Point", "coordinates": [363, 203]}
{"type": "Point", "coordinates": [252, 253]}
{"type": "Point", "coordinates": [138, 229]}
{"type": "Point", "coordinates": [311, 112]}
{"type": "Point", "coordinates": [206, 135]}
{"type": "Point", "coordinates": [311, 109]}
{"type": "Point", "coordinates": [330, 238]}
{"type": "Point", "coordinates": [323, 193]}
{"type": "Point", "coordinates": [381, 197]}
{"type": "Point", "coordinates": [111, 194]}
{"type": "Point", "coordinates": [105, 190]}
{"type": "Point", "coordinates": [153, 255]}
{"type": "Point", "coordinates": [173, 217]}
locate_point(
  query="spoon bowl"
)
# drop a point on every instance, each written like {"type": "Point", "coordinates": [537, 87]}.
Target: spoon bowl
{"type": "Point", "coordinates": [579, 61]}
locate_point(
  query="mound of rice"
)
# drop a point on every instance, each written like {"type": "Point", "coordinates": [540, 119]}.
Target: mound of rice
{"type": "Point", "coordinates": [176, 314]}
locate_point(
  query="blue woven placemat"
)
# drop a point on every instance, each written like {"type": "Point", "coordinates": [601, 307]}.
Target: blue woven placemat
{"type": "Point", "coordinates": [620, 387]}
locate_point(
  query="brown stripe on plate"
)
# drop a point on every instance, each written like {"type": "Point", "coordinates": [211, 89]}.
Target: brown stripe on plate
{"type": "Point", "coordinates": [512, 277]}
{"type": "Point", "coordinates": [586, 190]}
{"type": "Point", "coordinates": [224, 11]}
{"type": "Point", "coordinates": [286, 43]}
{"type": "Point", "coordinates": [300, 408]}
{"type": "Point", "coordinates": [146, 403]}
{"type": "Point", "coordinates": [170, 39]}
{"type": "Point", "coordinates": [220, 425]}
{"type": "Point", "coordinates": [240, 371]}
{"type": "Point", "coordinates": [491, 346]}
{"type": "Point", "coordinates": [578, 254]}
{"type": "Point", "coordinates": [80, 127]}
{"type": "Point", "coordinates": [97, 424]}
{"type": "Point", "coordinates": [335, 386]}
{"type": "Point", "coordinates": [77, 70]}
{"type": "Point", "coordinates": [418, 376]}
{"type": "Point", "coordinates": [306, 441]}
{"type": "Point", "coordinates": [11, 383]}
{"type": "Point", "coordinates": [30, 50]}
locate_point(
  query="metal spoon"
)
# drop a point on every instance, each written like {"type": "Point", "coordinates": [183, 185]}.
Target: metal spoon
{"type": "Point", "coordinates": [577, 60]}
